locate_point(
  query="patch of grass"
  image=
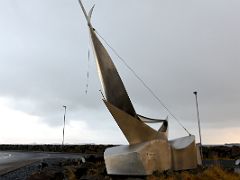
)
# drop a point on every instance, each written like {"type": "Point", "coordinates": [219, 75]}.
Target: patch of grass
{"type": "Point", "coordinates": [216, 172]}
{"type": "Point", "coordinates": [212, 173]}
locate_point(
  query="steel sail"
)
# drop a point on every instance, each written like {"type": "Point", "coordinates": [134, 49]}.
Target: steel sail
{"type": "Point", "coordinates": [112, 84]}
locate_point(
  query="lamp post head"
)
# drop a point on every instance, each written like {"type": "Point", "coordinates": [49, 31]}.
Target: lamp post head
{"type": "Point", "coordinates": [195, 92]}
{"type": "Point", "coordinates": [65, 107]}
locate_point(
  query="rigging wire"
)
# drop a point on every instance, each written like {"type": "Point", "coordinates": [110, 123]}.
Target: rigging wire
{"type": "Point", "coordinates": [143, 82]}
{"type": "Point", "coordinates": [88, 72]}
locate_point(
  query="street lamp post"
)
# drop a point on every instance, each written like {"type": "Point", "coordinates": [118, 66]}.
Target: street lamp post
{"type": "Point", "coordinates": [64, 119]}
{"type": "Point", "coordinates": [199, 127]}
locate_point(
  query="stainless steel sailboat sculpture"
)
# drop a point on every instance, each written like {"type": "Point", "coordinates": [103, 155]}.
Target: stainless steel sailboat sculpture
{"type": "Point", "coordinates": [148, 150]}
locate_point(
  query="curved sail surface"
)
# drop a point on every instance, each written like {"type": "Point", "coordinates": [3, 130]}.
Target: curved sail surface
{"type": "Point", "coordinates": [112, 84]}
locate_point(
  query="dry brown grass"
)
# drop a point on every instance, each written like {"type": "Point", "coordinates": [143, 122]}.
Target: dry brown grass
{"type": "Point", "coordinates": [216, 172]}
{"type": "Point", "coordinates": [70, 173]}
{"type": "Point", "coordinates": [212, 173]}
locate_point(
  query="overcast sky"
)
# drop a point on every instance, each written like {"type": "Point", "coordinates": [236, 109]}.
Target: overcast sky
{"type": "Point", "coordinates": [176, 47]}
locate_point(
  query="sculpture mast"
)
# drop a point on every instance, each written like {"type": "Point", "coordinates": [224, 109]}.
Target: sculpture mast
{"type": "Point", "coordinates": [112, 84]}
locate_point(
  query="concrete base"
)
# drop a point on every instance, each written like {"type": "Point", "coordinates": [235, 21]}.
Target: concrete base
{"type": "Point", "coordinates": [184, 153]}
{"type": "Point", "coordinates": [138, 159]}
{"type": "Point", "coordinates": [156, 155]}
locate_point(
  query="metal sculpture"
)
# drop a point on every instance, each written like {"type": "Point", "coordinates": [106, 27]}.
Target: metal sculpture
{"type": "Point", "coordinates": [148, 150]}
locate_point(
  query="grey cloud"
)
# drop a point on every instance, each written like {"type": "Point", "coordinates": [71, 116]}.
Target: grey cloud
{"type": "Point", "coordinates": [176, 47]}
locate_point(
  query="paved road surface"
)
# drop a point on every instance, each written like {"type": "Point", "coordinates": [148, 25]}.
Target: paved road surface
{"type": "Point", "coordinates": [10, 161]}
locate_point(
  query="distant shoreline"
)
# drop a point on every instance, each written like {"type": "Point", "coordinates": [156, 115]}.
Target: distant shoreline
{"type": "Point", "coordinates": [84, 149]}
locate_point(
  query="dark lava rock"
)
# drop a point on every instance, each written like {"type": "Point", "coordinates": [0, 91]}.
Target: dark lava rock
{"type": "Point", "coordinates": [83, 168]}
{"type": "Point", "coordinates": [43, 165]}
{"type": "Point", "coordinates": [47, 175]}
{"type": "Point", "coordinates": [94, 158]}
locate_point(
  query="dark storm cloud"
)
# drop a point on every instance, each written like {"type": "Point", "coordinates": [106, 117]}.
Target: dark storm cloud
{"type": "Point", "coordinates": [176, 47]}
